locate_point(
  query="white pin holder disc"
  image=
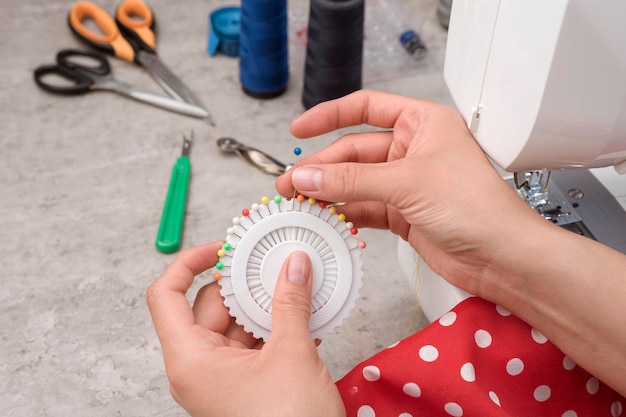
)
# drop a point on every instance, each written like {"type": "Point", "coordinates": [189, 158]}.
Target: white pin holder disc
{"type": "Point", "coordinates": [260, 241]}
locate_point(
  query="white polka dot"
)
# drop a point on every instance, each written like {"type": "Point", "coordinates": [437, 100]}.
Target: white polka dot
{"type": "Point", "coordinates": [616, 409]}
{"type": "Point", "coordinates": [542, 393]}
{"type": "Point", "coordinates": [365, 411]}
{"type": "Point", "coordinates": [429, 353]}
{"type": "Point", "coordinates": [568, 364]}
{"type": "Point", "coordinates": [502, 311]}
{"type": "Point", "coordinates": [483, 338]}
{"type": "Point", "coordinates": [405, 415]}
{"type": "Point", "coordinates": [538, 336]}
{"type": "Point", "coordinates": [569, 413]}
{"type": "Point", "coordinates": [468, 373]}
{"type": "Point", "coordinates": [448, 319]}
{"type": "Point", "coordinates": [453, 409]}
{"type": "Point", "coordinates": [593, 385]}
{"type": "Point", "coordinates": [494, 397]}
{"type": "Point", "coordinates": [514, 367]}
{"type": "Point", "coordinates": [394, 345]}
{"type": "Point", "coordinates": [412, 389]}
{"type": "Point", "coordinates": [371, 373]}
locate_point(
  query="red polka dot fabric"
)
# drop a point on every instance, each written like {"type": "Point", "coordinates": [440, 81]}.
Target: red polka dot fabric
{"type": "Point", "coordinates": [476, 360]}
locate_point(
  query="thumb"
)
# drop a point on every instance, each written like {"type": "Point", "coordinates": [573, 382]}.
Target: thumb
{"type": "Point", "coordinates": [291, 304]}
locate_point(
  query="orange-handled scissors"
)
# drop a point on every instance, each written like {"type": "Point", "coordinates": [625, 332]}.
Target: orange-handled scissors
{"type": "Point", "coordinates": [130, 36]}
{"type": "Point", "coordinates": [133, 16]}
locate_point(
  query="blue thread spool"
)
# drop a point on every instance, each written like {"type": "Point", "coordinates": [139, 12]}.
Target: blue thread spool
{"type": "Point", "coordinates": [264, 48]}
{"type": "Point", "coordinates": [224, 31]}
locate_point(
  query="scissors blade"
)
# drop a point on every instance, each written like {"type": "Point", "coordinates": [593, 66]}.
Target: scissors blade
{"type": "Point", "coordinates": [169, 103]}
{"type": "Point", "coordinates": [170, 82]}
{"type": "Point", "coordinates": [154, 99]}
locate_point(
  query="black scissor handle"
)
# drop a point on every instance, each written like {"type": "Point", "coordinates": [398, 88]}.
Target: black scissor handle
{"type": "Point", "coordinates": [80, 60]}
{"type": "Point", "coordinates": [77, 66]}
{"type": "Point", "coordinates": [80, 83]}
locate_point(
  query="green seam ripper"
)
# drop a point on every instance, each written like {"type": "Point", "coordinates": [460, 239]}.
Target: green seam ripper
{"type": "Point", "coordinates": [173, 216]}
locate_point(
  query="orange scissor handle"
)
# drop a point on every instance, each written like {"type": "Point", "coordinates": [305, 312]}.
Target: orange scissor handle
{"type": "Point", "coordinates": [110, 41]}
{"type": "Point", "coordinates": [137, 19]}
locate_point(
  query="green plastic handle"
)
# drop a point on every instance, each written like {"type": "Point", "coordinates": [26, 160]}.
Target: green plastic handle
{"type": "Point", "coordinates": [172, 219]}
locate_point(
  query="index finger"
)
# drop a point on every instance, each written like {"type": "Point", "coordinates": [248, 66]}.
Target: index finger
{"type": "Point", "coordinates": [369, 147]}
{"type": "Point", "coordinates": [169, 308]}
{"type": "Point", "coordinates": [364, 106]}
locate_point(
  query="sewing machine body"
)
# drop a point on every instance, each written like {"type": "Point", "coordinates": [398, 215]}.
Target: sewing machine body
{"type": "Point", "coordinates": [541, 86]}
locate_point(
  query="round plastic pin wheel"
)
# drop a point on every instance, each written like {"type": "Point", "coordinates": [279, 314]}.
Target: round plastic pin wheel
{"type": "Point", "coordinates": [260, 241]}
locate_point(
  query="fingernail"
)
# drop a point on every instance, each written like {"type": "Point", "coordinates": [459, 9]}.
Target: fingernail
{"type": "Point", "coordinates": [299, 268]}
{"type": "Point", "coordinates": [307, 179]}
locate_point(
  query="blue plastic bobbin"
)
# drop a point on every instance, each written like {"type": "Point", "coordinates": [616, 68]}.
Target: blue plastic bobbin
{"type": "Point", "coordinates": [412, 43]}
{"type": "Point", "coordinates": [224, 30]}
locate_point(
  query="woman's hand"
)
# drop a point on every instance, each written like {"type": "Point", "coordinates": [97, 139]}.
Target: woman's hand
{"type": "Point", "coordinates": [217, 369]}
{"type": "Point", "coordinates": [426, 180]}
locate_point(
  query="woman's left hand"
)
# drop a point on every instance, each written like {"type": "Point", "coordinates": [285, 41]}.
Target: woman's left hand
{"type": "Point", "coordinates": [215, 368]}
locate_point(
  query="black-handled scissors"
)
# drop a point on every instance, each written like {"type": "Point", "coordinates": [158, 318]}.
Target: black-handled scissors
{"type": "Point", "coordinates": [88, 71]}
{"type": "Point", "coordinates": [130, 36]}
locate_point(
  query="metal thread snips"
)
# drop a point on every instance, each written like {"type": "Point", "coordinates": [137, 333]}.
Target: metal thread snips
{"type": "Point", "coordinates": [253, 156]}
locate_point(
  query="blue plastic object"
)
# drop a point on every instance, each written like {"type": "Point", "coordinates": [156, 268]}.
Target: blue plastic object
{"type": "Point", "coordinates": [412, 43]}
{"type": "Point", "coordinates": [224, 28]}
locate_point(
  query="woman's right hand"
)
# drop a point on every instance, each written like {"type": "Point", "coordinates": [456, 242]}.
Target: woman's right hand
{"type": "Point", "coordinates": [426, 180]}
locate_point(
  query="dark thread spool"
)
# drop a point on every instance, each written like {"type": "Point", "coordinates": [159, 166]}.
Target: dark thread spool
{"type": "Point", "coordinates": [263, 48]}
{"type": "Point", "coordinates": [334, 57]}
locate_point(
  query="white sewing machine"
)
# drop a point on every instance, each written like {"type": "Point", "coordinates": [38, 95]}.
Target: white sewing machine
{"type": "Point", "coordinates": [542, 86]}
